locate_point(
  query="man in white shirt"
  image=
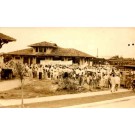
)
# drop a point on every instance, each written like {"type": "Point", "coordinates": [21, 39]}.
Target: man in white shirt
{"type": "Point", "coordinates": [117, 82]}
{"type": "Point", "coordinates": [112, 83]}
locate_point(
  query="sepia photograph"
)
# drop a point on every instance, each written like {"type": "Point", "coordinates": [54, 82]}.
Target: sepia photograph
{"type": "Point", "coordinates": [67, 67]}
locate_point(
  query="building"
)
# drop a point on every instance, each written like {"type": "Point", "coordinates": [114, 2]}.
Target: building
{"type": "Point", "coordinates": [4, 39]}
{"type": "Point", "coordinates": [120, 61]}
{"type": "Point", "coordinates": [45, 51]}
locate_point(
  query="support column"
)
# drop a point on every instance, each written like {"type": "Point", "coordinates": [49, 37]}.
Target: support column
{"type": "Point", "coordinates": [88, 61]}
{"type": "Point", "coordinates": [29, 61]}
{"type": "Point", "coordinates": [80, 63]}
{"type": "Point", "coordinates": [13, 57]}
{"type": "Point", "coordinates": [65, 59]}
{"type": "Point", "coordinates": [21, 59]}
{"type": "Point", "coordinates": [51, 58]}
{"type": "Point", "coordinates": [47, 58]}
{"type": "Point", "coordinates": [83, 60]}
{"type": "Point", "coordinates": [34, 60]}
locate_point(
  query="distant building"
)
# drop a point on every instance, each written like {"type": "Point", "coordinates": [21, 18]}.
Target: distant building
{"type": "Point", "coordinates": [45, 51]}
{"type": "Point", "coordinates": [120, 61]}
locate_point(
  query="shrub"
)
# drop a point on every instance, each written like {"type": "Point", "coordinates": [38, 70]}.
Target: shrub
{"type": "Point", "coordinates": [68, 84]}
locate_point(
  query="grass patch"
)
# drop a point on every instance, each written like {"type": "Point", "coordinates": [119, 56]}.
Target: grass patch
{"type": "Point", "coordinates": [37, 88]}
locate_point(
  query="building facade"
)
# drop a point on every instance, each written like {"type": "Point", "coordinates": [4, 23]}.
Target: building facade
{"type": "Point", "coordinates": [45, 51]}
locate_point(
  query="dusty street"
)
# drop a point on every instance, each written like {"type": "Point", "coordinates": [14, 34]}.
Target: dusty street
{"type": "Point", "coordinates": [11, 84]}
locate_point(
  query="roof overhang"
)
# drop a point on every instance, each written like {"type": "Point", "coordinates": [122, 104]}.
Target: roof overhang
{"type": "Point", "coordinates": [4, 39]}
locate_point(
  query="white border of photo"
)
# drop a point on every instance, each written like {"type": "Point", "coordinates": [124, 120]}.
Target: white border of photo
{"type": "Point", "coordinates": [61, 13]}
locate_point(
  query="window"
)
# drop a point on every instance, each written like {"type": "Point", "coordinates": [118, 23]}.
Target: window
{"type": "Point", "coordinates": [36, 49]}
{"type": "Point", "coordinates": [17, 58]}
{"type": "Point", "coordinates": [40, 49]}
{"type": "Point", "coordinates": [44, 49]}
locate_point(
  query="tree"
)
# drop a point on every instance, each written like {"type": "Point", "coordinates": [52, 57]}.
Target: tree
{"type": "Point", "coordinates": [20, 72]}
{"type": "Point", "coordinates": [121, 57]}
{"type": "Point", "coordinates": [115, 57]}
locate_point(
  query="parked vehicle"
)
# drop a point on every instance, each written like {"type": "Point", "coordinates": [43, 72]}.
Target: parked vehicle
{"type": "Point", "coordinates": [6, 73]}
{"type": "Point", "coordinates": [125, 79]}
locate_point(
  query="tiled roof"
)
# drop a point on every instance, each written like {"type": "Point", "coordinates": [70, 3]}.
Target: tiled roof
{"type": "Point", "coordinates": [5, 37]}
{"type": "Point", "coordinates": [46, 44]}
{"type": "Point", "coordinates": [56, 52]}
{"type": "Point", "coordinates": [69, 52]}
{"type": "Point", "coordinates": [22, 52]}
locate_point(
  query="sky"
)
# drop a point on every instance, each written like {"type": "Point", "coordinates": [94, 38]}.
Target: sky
{"type": "Point", "coordinates": [109, 41]}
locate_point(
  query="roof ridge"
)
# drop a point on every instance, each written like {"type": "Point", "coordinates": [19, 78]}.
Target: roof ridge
{"type": "Point", "coordinates": [20, 50]}
{"type": "Point", "coordinates": [43, 43]}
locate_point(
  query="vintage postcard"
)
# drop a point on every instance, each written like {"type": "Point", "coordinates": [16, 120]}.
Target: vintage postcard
{"type": "Point", "coordinates": [67, 67]}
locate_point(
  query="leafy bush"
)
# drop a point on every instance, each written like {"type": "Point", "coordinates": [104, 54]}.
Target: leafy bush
{"type": "Point", "coordinates": [68, 84]}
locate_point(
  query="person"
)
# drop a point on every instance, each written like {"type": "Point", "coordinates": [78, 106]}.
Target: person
{"type": "Point", "coordinates": [128, 82]}
{"type": "Point", "coordinates": [89, 81]}
{"type": "Point", "coordinates": [30, 72]}
{"type": "Point", "coordinates": [80, 80]}
{"type": "Point", "coordinates": [102, 83]}
{"type": "Point", "coordinates": [77, 71]}
{"type": "Point", "coordinates": [40, 72]}
{"type": "Point", "coordinates": [117, 82]}
{"type": "Point", "coordinates": [94, 80]}
{"type": "Point", "coordinates": [106, 80]}
{"type": "Point", "coordinates": [112, 83]}
{"type": "Point", "coordinates": [109, 81]}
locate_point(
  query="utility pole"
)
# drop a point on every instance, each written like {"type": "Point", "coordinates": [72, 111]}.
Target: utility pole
{"type": "Point", "coordinates": [97, 52]}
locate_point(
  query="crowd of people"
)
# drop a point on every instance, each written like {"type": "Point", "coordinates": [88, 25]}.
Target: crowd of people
{"type": "Point", "coordinates": [94, 76]}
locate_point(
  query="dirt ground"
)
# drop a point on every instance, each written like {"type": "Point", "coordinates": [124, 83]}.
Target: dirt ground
{"type": "Point", "coordinates": [37, 88]}
{"type": "Point", "coordinates": [44, 88]}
